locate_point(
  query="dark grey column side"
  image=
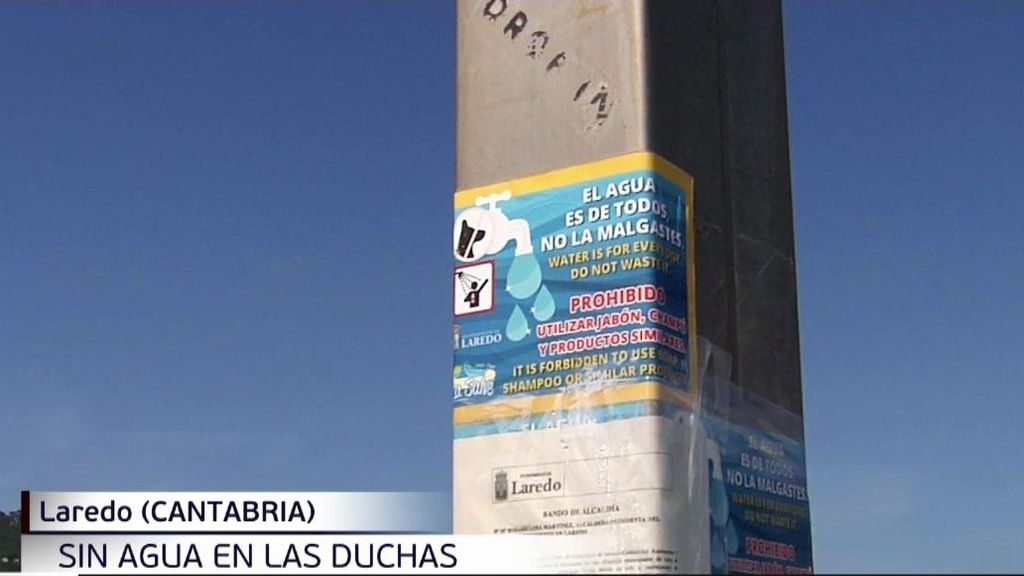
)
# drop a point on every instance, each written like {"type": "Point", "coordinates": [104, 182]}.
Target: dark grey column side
{"type": "Point", "coordinates": [717, 108]}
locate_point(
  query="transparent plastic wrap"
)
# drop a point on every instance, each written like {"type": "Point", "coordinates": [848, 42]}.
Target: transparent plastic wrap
{"type": "Point", "coordinates": [759, 515]}
{"type": "Point", "coordinates": [577, 384]}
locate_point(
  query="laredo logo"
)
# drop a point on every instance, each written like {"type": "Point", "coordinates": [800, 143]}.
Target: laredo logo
{"type": "Point", "coordinates": [525, 485]}
{"type": "Point", "coordinates": [480, 339]}
{"type": "Point", "coordinates": [501, 486]}
{"type": "Point", "coordinates": [547, 486]}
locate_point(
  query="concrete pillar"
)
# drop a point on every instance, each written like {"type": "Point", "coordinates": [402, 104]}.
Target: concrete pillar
{"type": "Point", "coordinates": [558, 98]}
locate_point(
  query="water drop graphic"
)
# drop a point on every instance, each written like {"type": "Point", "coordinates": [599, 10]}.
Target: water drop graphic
{"type": "Point", "coordinates": [719, 503]}
{"type": "Point", "coordinates": [718, 558]}
{"type": "Point", "coordinates": [544, 305]}
{"type": "Point", "coordinates": [523, 276]}
{"type": "Point", "coordinates": [517, 328]}
{"type": "Point", "coordinates": [732, 539]}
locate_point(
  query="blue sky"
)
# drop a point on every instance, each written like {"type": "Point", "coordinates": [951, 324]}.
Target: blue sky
{"type": "Point", "coordinates": [224, 228]}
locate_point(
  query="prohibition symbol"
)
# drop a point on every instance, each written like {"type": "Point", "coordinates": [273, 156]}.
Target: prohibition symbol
{"type": "Point", "coordinates": [474, 288]}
